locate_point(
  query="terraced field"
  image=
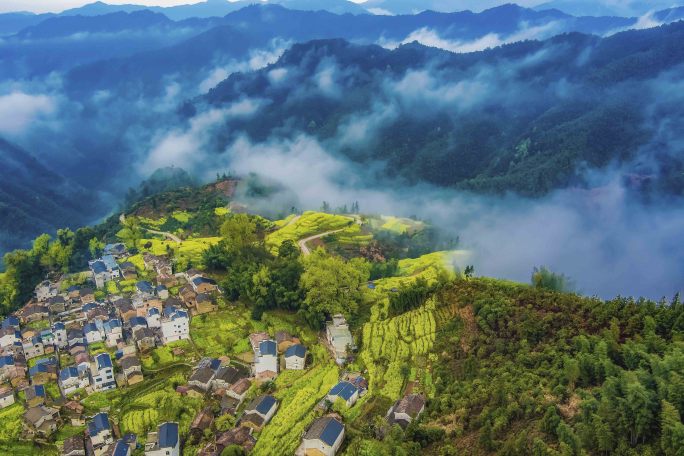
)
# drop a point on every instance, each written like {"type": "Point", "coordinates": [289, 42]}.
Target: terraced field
{"type": "Point", "coordinates": [309, 224]}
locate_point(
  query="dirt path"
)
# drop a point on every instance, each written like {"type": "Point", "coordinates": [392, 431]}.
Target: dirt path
{"type": "Point", "coordinates": [170, 236]}
{"type": "Point", "coordinates": [302, 242]}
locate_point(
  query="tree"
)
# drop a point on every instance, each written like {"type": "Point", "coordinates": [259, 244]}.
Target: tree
{"type": "Point", "coordinates": [132, 231]}
{"type": "Point", "coordinates": [542, 277]}
{"type": "Point", "coordinates": [233, 450]}
{"type": "Point", "coordinates": [332, 286]}
{"type": "Point", "coordinates": [239, 232]}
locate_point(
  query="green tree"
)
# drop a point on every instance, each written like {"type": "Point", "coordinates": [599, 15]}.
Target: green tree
{"type": "Point", "coordinates": [542, 277]}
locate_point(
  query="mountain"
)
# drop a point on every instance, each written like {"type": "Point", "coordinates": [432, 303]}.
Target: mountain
{"type": "Point", "coordinates": [61, 42]}
{"type": "Point", "coordinates": [607, 8]}
{"type": "Point", "coordinates": [526, 117]}
{"type": "Point", "coordinates": [260, 24]}
{"type": "Point", "coordinates": [35, 199]}
{"type": "Point", "coordinates": [11, 23]}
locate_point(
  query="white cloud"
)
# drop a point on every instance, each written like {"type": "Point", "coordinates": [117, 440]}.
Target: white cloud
{"type": "Point", "coordinates": [18, 110]}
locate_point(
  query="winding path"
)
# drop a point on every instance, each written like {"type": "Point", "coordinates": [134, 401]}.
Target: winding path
{"type": "Point", "coordinates": [166, 234]}
{"type": "Point", "coordinates": [302, 242]}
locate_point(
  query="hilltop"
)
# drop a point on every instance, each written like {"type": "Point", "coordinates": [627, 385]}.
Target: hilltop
{"type": "Point", "coordinates": [186, 301]}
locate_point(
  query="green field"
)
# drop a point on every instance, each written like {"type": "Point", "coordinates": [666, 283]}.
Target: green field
{"type": "Point", "coordinates": [189, 250]}
{"type": "Point", "coordinates": [11, 422]}
{"type": "Point", "coordinates": [298, 393]}
{"type": "Point", "coordinates": [222, 333]}
{"type": "Point", "coordinates": [309, 224]}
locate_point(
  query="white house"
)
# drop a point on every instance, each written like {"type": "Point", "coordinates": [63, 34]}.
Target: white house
{"type": "Point", "coordinates": [46, 290]}
{"type": "Point", "coordinates": [102, 373]}
{"type": "Point", "coordinates": [345, 391]}
{"type": "Point", "coordinates": [9, 336]}
{"type": "Point", "coordinates": [60, 333]}
{"type": "Point", "coordinates": [406, 410]}
{"type": "Point", "coordinates": [266, 358]}
{"type": "Point", "coordinates": [164, 442]}
{"type": "Point", "coordinates": [92, 333]}
{"type": "Point", "coordinates": [339, 337]}
{"type": "Point", "coordinates": [324, 436]}
{"type": "Point", "coordinates": [153, 318]}
{"type": "Point", "coordinates": [100, 433]}
{"type": "Point", "coordinates": [113, 330]}
{"type": "Point", "coordinates": [71, 379]}
{"type": "Point", "coordinates": [260, 411]}
{"type": "Point", "coordinates": [295, 357]}
{"type": "Point", "coordinates": [33, 347]}
{"type": "Point", "coordinates": [6, 396]}
{"type": "Point", "coordinates": [175, 325]}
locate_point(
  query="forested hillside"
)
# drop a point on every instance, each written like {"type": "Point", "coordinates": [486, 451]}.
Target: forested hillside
{"type": "Point", "coordinates": [527, 117]}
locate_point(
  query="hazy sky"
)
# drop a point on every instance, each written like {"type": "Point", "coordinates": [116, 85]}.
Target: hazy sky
{"type": "Point", "coordinates": [42, 6]}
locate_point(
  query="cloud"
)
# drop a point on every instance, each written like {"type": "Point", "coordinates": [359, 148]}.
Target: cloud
{"type": "Point", "coordinates": [18, 110]}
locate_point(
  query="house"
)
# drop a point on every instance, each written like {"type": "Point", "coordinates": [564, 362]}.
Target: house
{"type": "Point", "coordinates": [33, 312]}
{"type": "Point", "coordinates": [203, 285]}
{"type": "Point", "coordinates": [35, 395]}
{"type": "Point", "coordinates": [259, 412]}
{"type": "Point", "coordinates": [100, 273]}
{"type": "Point", "coordinates": [153, 317]}
{"type": "Point", "coordinates": [33, 347]}
{"type": "Point", "coordinates": [175, 325]}
{"type": "Point", "coordinates": [45, 290]}
{"type": "Point", "coordinates": [406, 410]}
{"type": "Point", "coordinates": [120, 448]}
{"type": "Point", "coordinates": [9, 368]}
{"type": "Point", "coordinates": [339, 338]}
{"type": "Point", "coordinates": [117, 250]}
{"type": "Point", "coordinates": [225, 377]}
{"type": "Point", "coordinates": [143, 303]}
{"type": "Point", "coordinates": [144, 287]}
{"type": "Point", "coordinates": [202, 378]}
{"type": "Point", "coordinates": [48, 339]}
{"type": "Point", "coordinates": [113, 330]}
{"type": "Point", "coordinates": [75, 337]}
{"type": "Point", "coordinates": [42, 420]}
{"type": "Point", "coordinates": [188, 295]}
{"type": "Point", "coordinates": [164, 442]}
{"type": "Point", "coordinates": [60, 333]}
{"type": "Point", "coordinates": [295, 357]}
{"type": "Point", "coordinates": [74, 446]}
{"type": "Point", "coordinates": [86, 295]}
{"type": "Point", "coordinates": [100, 433]}
{"type": "Point", "coordinates": [324, 437]}
{"type": "Point", "coordinates": [137, 322]}
{"type": "Point", "coordinates": [239, 389]}
{"type": "Point", "coordinates": [128, 270]}
{"type": "Point", "coordinates": [92, 333]}
{"type": "Point", "coordinates": [203, 421]}
{"type": "Point", "coordinates": [43, 373]}
{"type": "Point", "coordinates": [344, 391]}
{"type": "Point", "coordinates": [71, 379]}
{"type": "Point", "coordinates": [112, 266]}
{"type": "Point", "coordinates": [102, 373]}
{"type": "Point", "coordinates": [284, 340]}
{"type": "Point", "coordinates": [204, 303]}
{"type": "Point", "coordinates": [132, 369]}
{"type": "Point", "coordinates": [266, 360]}
{"type": "Point", "coordinates": [162, 291]}
{"type": "Point", "coordinates": [9, 336]}
{"type": "Point", "coordinates": [191, 274]}
{"type": "Point", "coordinates": [144, 338]}
{"type": "Point", "coordinates": [6, 396]}
{"type": "Point", "coordinates": [240, 436]}
{"type": "Point", "coordinates": [57, 304]}
{"type": "Point", "coordinates": [11, 322]}
{"type": "Point", "coordinates": [125, 308]}
{"type": "Point", "coordinates": [159, 264]}
{"type": "Point", "coordinates": [73, 411]}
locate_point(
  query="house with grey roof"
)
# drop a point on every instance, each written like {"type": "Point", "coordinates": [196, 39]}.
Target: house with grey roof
{"type": "Point", "coordinates": [406, 410]}
{"type": "Point", "coordinates": [295, 357]}
{"type": "Point", "coordinates": [164, 442]}
{"type": "Point", "coordinates": [259, 412]}
{"type": "Point", "coordinates": [339, 337]}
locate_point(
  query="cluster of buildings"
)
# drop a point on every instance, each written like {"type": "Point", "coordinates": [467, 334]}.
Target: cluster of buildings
{"type": "Point", "coordinates": [69, 342]}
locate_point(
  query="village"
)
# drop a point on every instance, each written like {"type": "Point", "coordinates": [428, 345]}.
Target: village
{"type": "Point", "coordinates": [75, 340]}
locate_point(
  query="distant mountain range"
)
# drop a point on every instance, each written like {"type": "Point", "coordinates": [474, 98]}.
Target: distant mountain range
{"type": "Point", "coordinates": [35, 199]}
{"type": "Point", "coordinates": [527, 117]}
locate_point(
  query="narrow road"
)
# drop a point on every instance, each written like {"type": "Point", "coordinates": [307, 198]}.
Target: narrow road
{"type": "Point", "coordinates": [172, 237]}
{"type": "Point", "coordinates": [302, 242]}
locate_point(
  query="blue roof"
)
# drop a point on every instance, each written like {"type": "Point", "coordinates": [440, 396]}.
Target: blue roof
{"type": "Point", "coordinates": [7, 360]}
{"type": "Point", "coordinates": [109, 262]}
{"type": "Point", "coordinates": [10, 321]}
{"type": "Point", "coordinates": [200, 280]}
{"type": "Point", "coordinates": [39, 390]}
{"type": "Point", "coordinates": [98, 267]}
{"type": "Point", "coordinates": [90, 327]}
{"type": "Point", "coordinates": [100, 422]}
{"type": "Point", "coordinates": [113, 323]}
{"type": "Point", "coordinates": [345, 390]}
{"type": "Point", "coordinates": [331, 432]}
{"type": "Point", "coordinates": [88, 307]}
{"type": "Point", "coordinates": [145, 286]}
{"type": "Point", "coordinates": [67, 373]}
{"type": "Point", "coordinates": [116, 248]}
{"type": "Point", "coordinates": [38, 369]}
{"type": "Point", "coordinates": [268, 347]}
{"type": "Point", "coordinates": [169, 310]}
{"type": "Point", "coordinates": [266, 404]}
{"type": "Point", "coordinates": [297, 350]}
{"type": "Point", "coordinates": [138, 321]}
{"type": "Point", "coordinates": [73, 288]}
{"type": "Point", "coordinates": [46, 361]}
{"type": "Point", "coordinates": [161, 287]}
{"type": "Point", "coordinates": [168, 435]}
{"type": "Point", "coordinates": [153, 311]}
{"type": "Point", "coordinates": [103, 360]}
{"type": "Point", "coordinates": [58, 326]}
{"type": "Point", "coordinates": [121, 448]}
{"type": "Point", "coordinates": [180, 314]}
